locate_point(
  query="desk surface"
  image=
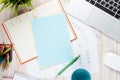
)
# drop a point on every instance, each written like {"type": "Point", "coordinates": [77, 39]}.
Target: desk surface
{"type": "Point", "coordinates": [105, 44]}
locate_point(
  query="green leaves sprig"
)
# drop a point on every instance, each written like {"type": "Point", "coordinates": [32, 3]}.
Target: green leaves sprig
{"type": "Point", "coordinates": [14, 4]}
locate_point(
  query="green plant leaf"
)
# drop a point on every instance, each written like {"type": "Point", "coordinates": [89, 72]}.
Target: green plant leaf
{"type": "Point", "coordinates": [1, 1]}
{"type": "Point", "coordinates": [14, 4]}
{"type": "Point", "coordinates": [16, 10]}
{"type": "Point", "coordinates": [4, 6]}
{"type": "Point", "coordinates": [29, 4]}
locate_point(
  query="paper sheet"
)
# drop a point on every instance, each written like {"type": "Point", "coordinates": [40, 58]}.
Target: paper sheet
{"type": "Point", "coordinates": [52, 40]}
{"type": "Point", "coordinates": [85, 46]}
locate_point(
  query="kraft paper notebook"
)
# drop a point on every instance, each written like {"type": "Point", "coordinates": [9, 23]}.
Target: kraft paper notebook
{"type": "Point", "coordinates": [52, 40]}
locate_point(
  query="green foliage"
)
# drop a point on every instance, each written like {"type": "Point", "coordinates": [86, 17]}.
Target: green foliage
{"type": "Point", "coordinates": [14, 4]}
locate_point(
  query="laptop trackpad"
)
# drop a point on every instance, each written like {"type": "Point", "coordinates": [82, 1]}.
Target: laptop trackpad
{"type": "Point", "coordinates": [99, 18]}
{"type": "Point", "coordinates": [105, 23]}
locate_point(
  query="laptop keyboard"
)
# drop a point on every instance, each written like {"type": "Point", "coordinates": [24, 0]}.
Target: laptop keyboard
{"type": "Point", "coordinates": [112, 7]}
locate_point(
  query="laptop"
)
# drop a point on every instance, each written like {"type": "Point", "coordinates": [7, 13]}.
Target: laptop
{"type": "Point", "coordinates": [103, 15]}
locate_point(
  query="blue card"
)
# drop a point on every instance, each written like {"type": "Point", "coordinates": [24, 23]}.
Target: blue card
{"type": "Point", "coordinates": [52, 40]}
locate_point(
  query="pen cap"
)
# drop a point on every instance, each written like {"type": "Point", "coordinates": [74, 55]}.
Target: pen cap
{"type": "Point", "coordinates": [81, 74]}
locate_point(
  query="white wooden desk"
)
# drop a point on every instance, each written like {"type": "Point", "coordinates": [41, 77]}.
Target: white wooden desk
{"type": "Point", "coordinates": [105, 44]}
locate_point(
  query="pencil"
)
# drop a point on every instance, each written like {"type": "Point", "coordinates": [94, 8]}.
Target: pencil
{"type": "Point", "coordinates": [68, 65]}
{"type": "Point", "coordinates": [7, 50]}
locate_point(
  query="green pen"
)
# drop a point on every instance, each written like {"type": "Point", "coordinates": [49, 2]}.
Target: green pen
{"type": "Point", "coordinates": [68, 65]}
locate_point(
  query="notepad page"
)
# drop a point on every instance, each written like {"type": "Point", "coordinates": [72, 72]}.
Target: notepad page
{"type": "Point", "coordinates": [22, 37]}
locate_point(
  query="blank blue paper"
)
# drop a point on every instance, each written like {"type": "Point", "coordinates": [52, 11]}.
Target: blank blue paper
{"type": "Point", "coordinates": [52, 40]}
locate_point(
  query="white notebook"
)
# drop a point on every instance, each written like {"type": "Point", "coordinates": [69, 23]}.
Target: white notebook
{"type": "Point", "coordinates": [18, 30]}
